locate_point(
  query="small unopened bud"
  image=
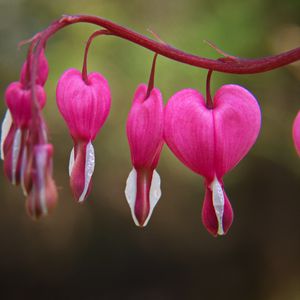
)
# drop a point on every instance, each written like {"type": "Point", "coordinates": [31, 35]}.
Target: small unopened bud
{"type": "Point", "coordinates": [42, 70]}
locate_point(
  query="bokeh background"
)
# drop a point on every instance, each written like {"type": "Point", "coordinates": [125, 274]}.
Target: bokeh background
{"type": "Point", "coordinates": [94, 251]}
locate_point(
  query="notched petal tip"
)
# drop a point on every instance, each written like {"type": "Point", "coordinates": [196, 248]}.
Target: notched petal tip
{"type": "Point", "coordinates": [142, 206]}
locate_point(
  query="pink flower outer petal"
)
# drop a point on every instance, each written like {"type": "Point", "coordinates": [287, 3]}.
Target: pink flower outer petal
{"type": "Point", "coordinates": [296, 133]}
{"type": "Point", "coordinates": [145, 128]}
{"type": "Point", "coordinates": [237, 121]}
{"type": "Point", "coordinates": [189, 131]}
{"type": "Point", "coordinates": [19, 102]}
{"type": "Point", "coordinates": [212, 141]}
{"type": "Point", "coordinates": [85, 107]}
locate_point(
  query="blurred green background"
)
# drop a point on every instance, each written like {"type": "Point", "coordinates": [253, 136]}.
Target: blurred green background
{"type": "Point", "coordinates": [94, 251]}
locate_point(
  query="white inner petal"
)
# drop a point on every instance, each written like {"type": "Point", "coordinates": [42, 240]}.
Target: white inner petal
{"type": "Point", "coordinates": [16, 148]}
{"type": "Point", "coordinates": [155, 194]}
{"type": "Point", "coordinates": [130, 193]}
{"type": "Point", "coordinates": [41, 161]}
{"type": "Point", "coordinates": [218, 203]}
{"type": "Point", "coordinates": [6, 124]}
{"type": "Point", "coordinates": [71, 161]}
{"type": "Point", "coordinates": [23, 169]}
{"type": "Point", "coordinates": [89, 169]}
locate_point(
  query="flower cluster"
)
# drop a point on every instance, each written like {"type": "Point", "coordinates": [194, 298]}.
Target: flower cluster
{"type": "Point", "coordinates": [24, 148]}
{"type": "Point", "coordinates": [208, 138]}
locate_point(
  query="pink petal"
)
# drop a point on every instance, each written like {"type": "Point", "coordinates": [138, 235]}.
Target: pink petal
{"type": "Point", "coordinates": [212, 141]}
{"type": "Point", "coordinates": [296, 133]}
{"type": "Point", "coordinates": [19, 101]}
{"type": "Point", "coordinates": [237, 120]}
{"type": "Point", "coordinates": [145, 128]}
{"type": "Point", "coordinates": [189, 131]}
{"type": "Point", "coordinates": [85, 107]}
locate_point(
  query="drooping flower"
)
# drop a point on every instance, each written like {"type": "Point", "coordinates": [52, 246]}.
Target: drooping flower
{"type": "Point", "coordinates": [42, 195]}
{"type": "Point", "coordinates": [296, 133]}
{"type": "Point", "coordinates": [85, 107]}
{"type": "Point", "coordinates": [15, 126]}
{"type": "Point", "coordinates": [212, 141]}
{"type": "Point", "coordinates": [15, 131]}
{"type": "Point", "coordinates": [145, 137]}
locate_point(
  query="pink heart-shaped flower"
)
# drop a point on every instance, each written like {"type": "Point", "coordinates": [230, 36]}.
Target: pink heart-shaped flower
{"type": "Point", "coordinates": [212, 141]}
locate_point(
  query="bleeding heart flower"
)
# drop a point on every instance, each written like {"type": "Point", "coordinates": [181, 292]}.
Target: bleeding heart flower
{"type": "Point", "coordinates": [145, 137]}
{"type": "Point", "coordinates": [212, 141]}
{"type": "Point", "coordinates": [85, 107]}
{"type": "Point", "coordinates": [296, 133]}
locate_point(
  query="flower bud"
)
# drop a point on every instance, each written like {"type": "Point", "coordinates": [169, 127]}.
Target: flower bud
{"type": "Point", "coordinates": [145, 137]}
{"type": "Point", "coordinates": [42, 70]}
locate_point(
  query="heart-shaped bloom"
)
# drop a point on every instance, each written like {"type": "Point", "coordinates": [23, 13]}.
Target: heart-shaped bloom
{"type": "Point", "coordinates": [15, 126]}
{"type": "Point", "coordinates": [85, 107]}
{"type": "Point", "coordinates": [145, 136]}
{"type": "Point", "coordinates": [296, 133]}
{"type": "Point", "coordinates": [212, 141]}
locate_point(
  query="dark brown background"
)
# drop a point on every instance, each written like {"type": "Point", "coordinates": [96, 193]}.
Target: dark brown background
{"type": "Point", "coordinates": [94, 251]}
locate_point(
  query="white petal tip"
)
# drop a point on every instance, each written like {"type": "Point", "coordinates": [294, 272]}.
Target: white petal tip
{"type": "Point", "coordinates": [218, 203]}
{"type": "Point", "coordinates": [16, 148]}
{"type": "Point", "coordinates": [71, 161]}
{"type": "Point", "coordinates": [130, 193]}
{"type": "Point", "coordinates": [6, 124]}
{"type": "Point", "coordinates": [89, 169]}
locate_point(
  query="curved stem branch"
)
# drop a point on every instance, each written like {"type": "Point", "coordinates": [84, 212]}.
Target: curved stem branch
{"type": "Point", "coordinates": [87, 47]}
{"type": "Point", "coordinates": [236, 66]}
